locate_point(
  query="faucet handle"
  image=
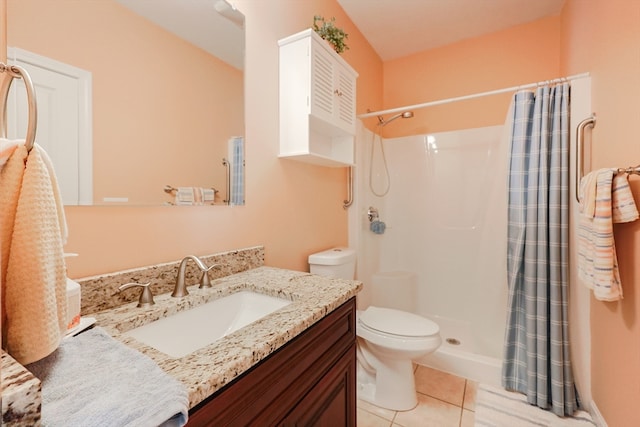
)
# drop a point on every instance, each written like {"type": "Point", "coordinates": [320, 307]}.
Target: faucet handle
{"type": "Point", "coordinates": [205, 282]}
{"type": "Point", "coordinates": [146, 296]}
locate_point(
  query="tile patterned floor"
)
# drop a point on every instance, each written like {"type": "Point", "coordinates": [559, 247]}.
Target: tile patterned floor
{"type": "Point", "coordinates": [444, 400]}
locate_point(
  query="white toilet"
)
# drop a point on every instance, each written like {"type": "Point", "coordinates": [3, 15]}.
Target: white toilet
{"type": "Point", "coordinates": [388, 339]}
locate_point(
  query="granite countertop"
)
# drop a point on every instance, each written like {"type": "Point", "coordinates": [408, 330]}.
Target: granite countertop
{"type": "Point", "coordinates": [207, 370]}
{"type": "Point", "coordinates": [20, 394]}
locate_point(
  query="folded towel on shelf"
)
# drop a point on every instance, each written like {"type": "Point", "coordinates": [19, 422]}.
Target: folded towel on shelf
{"type": "Point", "coordinates": [33, 229]}
{"type": "Point", "coordinates": [94, 380]}
{"type": "Point", "coordinates": [597, 260]}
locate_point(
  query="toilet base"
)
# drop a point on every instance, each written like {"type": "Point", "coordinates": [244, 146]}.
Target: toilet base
{"type": "Point", "coordinates": [391, 387]}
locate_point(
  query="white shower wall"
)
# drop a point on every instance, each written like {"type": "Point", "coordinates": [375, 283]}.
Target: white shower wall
{"type": "Point", "coordinates": [446, 221]}
{"type": "Point", "coordinates": [446, 218]}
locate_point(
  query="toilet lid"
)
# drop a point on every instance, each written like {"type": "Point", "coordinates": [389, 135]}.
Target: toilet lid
{"type": "Point", "coordinates": [398, 322]}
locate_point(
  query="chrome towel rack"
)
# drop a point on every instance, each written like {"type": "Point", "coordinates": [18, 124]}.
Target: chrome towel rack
{"type": "Point", "coordinates": [14, 71]}
{"type": "Point", "coordinates": [172, 190]}
{"type": "Point", "coordinates": [591, 122]}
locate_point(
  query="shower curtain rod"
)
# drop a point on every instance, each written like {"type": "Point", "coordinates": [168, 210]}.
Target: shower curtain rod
{"type": "Point", "coordinates": [475, 95]}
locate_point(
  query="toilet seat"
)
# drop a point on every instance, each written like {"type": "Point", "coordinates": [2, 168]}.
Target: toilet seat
{"type": "Point", "coordinates": [397, 323]}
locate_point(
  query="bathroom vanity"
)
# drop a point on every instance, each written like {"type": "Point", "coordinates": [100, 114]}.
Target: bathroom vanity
{"type": "Point", "coordinates": [295, 366]}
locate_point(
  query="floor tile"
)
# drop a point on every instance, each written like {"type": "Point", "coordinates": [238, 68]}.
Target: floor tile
{"type": "Point", "coordinates": [430, 412]}
{"type": "Point", "coordinates": [470, 392]}
{"type": "Point", "coordinates": [367, 419]}
{"type": "Point", "coordinates": [440, 385]}
{"type": "Point", "coordinates": [376, 410]}
{"type": "Point", "coordinates": [468, 418]}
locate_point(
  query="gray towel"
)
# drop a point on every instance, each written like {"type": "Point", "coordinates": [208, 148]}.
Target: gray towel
{"type": "Point", "coordinates": [94, 380]}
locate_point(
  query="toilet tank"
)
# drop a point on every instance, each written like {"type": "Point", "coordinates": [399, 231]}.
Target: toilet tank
{"type": "Point", "coordinates": [337, 262]}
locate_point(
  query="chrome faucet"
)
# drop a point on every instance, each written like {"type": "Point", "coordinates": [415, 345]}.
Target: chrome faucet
{"type": "Point", "coordinates": [180, 289]}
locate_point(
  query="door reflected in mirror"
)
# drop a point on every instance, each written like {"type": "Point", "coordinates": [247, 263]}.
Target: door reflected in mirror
{"type": "Point", "coordinates": [163, 110]}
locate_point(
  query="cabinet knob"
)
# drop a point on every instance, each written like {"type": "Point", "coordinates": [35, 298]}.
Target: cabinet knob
{"type": "Point", "coordinates": [337, 92]}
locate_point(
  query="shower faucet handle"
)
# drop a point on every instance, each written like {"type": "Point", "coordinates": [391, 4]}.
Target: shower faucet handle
{"type": "Point", "coordinates": [372, 213]}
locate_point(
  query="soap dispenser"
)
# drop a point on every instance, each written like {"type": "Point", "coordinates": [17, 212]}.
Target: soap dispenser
{"type": "Point", "coordinates": [73, 300]}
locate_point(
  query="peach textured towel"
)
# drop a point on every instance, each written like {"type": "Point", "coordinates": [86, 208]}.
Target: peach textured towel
{"type": "Point", "coordinates": [612, 202]}
{"type": "Point", "coordinates": [7, 147]}
{"type": "Point", "coordinates": [33, 269]}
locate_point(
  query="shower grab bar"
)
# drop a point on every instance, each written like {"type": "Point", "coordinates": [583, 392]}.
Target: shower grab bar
{"type": "Point", "coordinates": [589, 121]}
{"type": "Point", "coordinates": [14, 71]}
{"type": "Point", "coordinates": [227, 177]}
{"type": "Point", "coordinates": [349, 201]}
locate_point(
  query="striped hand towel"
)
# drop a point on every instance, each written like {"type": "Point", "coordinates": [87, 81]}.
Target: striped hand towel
{"type": "Point", "coordinates": [597, 261]}
{"type": "Point", "coordinates": [587, 193]}
{"type": "Point", "coordinates": [623, 205]}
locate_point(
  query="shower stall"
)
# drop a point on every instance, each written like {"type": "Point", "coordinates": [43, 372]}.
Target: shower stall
{"type": "Point", "coordinates": [444, 205]}
{"type": "Point", "coordinates": [444, 211]}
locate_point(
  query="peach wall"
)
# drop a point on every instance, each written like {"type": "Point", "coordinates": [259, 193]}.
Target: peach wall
{"type": "Point", "coordinates": [603, 37]}
{"type": "Point", "coordinates": [518, 55]}
{"type": "Point", "coordinates": [155, 96]}
{"type": "Point", "coordinates": [292, 208]}
{"type": "Point", "coordinates": [3, 30]}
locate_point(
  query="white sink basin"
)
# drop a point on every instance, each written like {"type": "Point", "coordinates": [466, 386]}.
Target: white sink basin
{"type": "Point", "coordinates": [187, 331]}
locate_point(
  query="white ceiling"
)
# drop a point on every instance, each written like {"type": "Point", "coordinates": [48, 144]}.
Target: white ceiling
{"type": "Point", "coordinates": [397, 28]}
{"type": "Point", "coordinates": [198, 22]}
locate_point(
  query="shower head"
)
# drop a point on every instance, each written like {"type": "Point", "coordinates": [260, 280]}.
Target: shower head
{"type": "Point", "coordinates": [404, 115]}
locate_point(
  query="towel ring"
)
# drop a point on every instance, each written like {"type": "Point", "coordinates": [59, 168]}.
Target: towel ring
{"type": "Point", "coordinates": [15, 71]}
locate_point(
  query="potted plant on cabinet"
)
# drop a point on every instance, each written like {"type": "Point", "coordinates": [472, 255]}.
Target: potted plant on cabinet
{"type": "Point", "coordinates": [329, 32]}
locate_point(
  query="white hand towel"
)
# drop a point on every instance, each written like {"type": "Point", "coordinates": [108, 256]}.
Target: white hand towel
{"type": "Point", "coordinates": [33, 268]}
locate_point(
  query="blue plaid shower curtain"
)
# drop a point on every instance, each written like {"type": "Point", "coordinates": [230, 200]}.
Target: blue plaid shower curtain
{"type": "Point", "coordinates": [537, 361]}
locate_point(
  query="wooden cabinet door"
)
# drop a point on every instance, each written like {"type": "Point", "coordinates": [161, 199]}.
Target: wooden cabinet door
{"type": "Point", "coordinates": [332, 402]}
{"type": "Point", "coordinates": [309, 381]}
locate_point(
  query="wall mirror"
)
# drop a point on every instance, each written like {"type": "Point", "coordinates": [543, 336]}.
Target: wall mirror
{"type": "Point", "coordinates": [158, 106]}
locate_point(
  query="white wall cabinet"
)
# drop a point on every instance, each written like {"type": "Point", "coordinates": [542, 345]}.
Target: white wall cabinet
{"type": "Point", "coordinates": [317, 102]}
